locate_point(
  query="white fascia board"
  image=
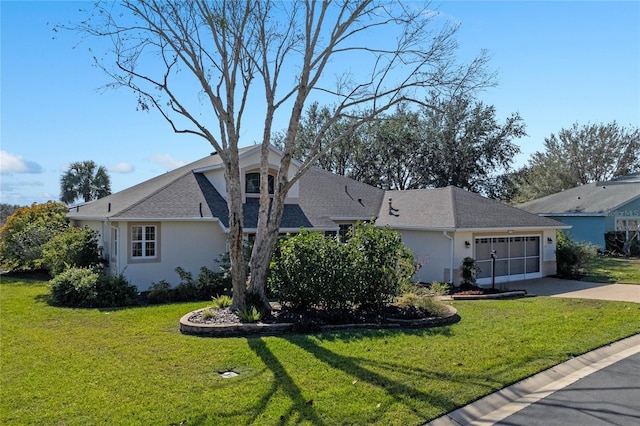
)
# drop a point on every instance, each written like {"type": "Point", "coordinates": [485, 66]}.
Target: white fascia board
{"type": "Point", "coordinates": [209, 168]}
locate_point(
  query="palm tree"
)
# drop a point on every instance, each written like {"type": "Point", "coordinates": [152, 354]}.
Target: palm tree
{"type": "Point", "coordinates": [85, 180]}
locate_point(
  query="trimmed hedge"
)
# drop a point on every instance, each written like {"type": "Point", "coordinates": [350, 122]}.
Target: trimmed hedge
{"type": "Point", "coordinates": [368, 271]}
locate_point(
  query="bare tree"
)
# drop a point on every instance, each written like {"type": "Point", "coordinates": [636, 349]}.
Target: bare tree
{"type": "Point", "coordinates": [200, 63]}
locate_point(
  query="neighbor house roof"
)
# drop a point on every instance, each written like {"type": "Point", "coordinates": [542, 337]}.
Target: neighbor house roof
{"type": "Point", "coordinates": [452, 208]}
{"type": "Point", "coordinates": [593, 199]}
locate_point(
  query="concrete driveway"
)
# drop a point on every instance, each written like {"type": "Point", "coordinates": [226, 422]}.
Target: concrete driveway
{"type": "Point", "coordinates": [555, 287]}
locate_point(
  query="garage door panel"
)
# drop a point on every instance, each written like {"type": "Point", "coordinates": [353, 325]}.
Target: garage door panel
{"type": "Point", "coordinates": [516, 266]}
{"type": "Point", "coordinates": [533, 264]}
{"type": "Point", "coordinates": [517, 258]}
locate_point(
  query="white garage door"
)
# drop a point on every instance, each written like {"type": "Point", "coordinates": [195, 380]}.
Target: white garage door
{"type": "Point", "coordinates": [517, 258]}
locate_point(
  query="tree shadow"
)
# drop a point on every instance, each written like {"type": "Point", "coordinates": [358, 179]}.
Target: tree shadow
{"type": "Point", "coordinates": [405, 394]}
{"type": "Point", "coordinates": [355, 335]}
{"type": "Point", "coordinates": [283, 382]}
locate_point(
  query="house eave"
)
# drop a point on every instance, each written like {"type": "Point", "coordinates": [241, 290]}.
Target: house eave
{"type": "Point", "coordinates": [569, 214]}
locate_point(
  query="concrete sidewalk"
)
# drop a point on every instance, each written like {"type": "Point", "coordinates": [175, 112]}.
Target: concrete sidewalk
{"type": "Point", "coordinates": [555, 287]}
{"type": "Point", "coordinates": [508, 401]}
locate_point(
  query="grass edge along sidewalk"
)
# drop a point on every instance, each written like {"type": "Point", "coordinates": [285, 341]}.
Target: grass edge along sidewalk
{"type": "Point", "coordinates": [132, 366]}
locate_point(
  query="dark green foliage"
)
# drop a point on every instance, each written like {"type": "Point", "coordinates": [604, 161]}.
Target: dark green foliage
{"type": "Point", "coordinates": [26, 231]}
{"type": "Point", "coordinates": [159, 293]}
{"type": "Point", "coordinates": [456, 141]}
{"type": "Point", "coordinates": [208, 284]}
{"type": "Point", "coordinates": [468, 271]}
{"type": "Point", "coordinates": [571, 256]}
{"type": "Point", "coordinates": [87, 288]}
{"type": "Point", "coordinates": [580, 155]}
{"type": "Point", "coordinates": [368, 271]}
{"type": "Point", "coordinates": [84, 180]}
{"type": "Point", "coordinates": [383, 265]}
{"type": "Point", "coordinates": [72, 247]}
{"type": "Point", "coordinates": [7, 210]}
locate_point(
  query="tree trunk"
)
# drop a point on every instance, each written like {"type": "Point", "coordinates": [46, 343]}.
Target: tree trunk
{"type": "Point", "coordinates": [236, 252]}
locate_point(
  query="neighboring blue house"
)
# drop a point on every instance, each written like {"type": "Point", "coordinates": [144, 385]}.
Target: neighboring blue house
{"type": "Point", "coordinates": [595, 209]}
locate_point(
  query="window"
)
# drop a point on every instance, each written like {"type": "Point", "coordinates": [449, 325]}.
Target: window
{"type": "Point", "coordinates": [252, 183]}
{"type": "Point", "coordinates": [343, 231]}
{"type": "Point", "coordinates": [144, 242]}
{"type": "Point", "coordinates": [114, 242]}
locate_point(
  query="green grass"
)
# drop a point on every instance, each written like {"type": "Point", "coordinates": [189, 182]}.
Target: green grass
{"type": "Point", "coordinates": [605, 269]}
{"type": "Point", "coordinates": [132, 366]}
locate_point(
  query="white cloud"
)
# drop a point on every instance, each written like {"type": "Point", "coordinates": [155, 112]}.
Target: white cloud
{"type": "Point", "coordinates": [121, 168]}
{"type": "Point", "coordinates": [10, 163]}
{"type": "Point", "coordinates": [167, 161]}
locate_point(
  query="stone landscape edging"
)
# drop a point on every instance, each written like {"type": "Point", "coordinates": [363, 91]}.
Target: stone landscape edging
{"type": "Point", "coordinates": [277, 329]}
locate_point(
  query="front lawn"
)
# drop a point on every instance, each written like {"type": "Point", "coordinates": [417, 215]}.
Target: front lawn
{"type": "Point", "coordinates": [132, 366]}
{"type": "Point", "coordinates": [605, 269]}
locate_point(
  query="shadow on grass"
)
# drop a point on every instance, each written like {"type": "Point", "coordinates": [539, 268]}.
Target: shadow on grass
{"type": "Point", "coordinates": [284, 383]}
{"type": "Point", "coordinates": [403, 393]}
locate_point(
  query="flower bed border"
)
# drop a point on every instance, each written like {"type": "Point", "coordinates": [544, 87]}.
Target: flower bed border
{"type": "Point", "coordinates": [278, 329]}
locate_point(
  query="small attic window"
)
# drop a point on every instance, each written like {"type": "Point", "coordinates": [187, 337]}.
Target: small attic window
{"type": "Point", "coordinates": [252, 183]}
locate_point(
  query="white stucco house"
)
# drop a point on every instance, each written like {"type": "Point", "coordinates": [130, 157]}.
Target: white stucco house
{"type": "Point", "coordinates": [180, 218]}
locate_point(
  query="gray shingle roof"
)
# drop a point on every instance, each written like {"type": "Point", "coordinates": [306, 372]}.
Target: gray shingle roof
{"type": "Point", "coordinates": [324, 199]}
{"type": "Point", "coordinates": [454, 208]}
{"type": "Point", "coordinates": [324, 195]}
{"type": "Point", "coordinates": [594, 199]}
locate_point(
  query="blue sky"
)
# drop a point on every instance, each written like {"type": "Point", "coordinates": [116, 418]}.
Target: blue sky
{"type": "Point", "coordinates": [558, 63]}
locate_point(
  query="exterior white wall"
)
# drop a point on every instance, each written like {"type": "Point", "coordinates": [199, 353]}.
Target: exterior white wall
{"type": "Point", "coordinates": [432, 250]}
{"type": "Point", "coordinates": [189, 245]}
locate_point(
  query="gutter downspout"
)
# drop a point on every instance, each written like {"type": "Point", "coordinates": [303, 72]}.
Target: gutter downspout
{"type": "Point", "coordinates": [445, 233]}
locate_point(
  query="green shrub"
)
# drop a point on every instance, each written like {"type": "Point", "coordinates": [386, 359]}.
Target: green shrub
{"type": "Point", "coordinates": [250, 314]}
{"type": "Point", "coordinates": [308, 270]}
{"type": "Point", "coordinates": [26, 231]}
{"type": "Point", "coordinates": [468, 272]}
{"type": "Point", "coordinates": [75, 287]}
{"type": "Point", "coordinates": [383, 265]}
{"type": "Point", "coordinates": [571, 256]}
{"type": "Point", "coordinates": [76, 247]}
{"type": "Point", "coordinates": [86, 288]}
{"type": "Point", "coordinates": [427, 304]}
{"type": "Point", "coordinates": [115, 290]}
{"type": "Point", "coordinates": [223, 301]}
{"type": "Point", "coordinates": [160, 292]}
{"type": "Point", "coordinates": [368, 271]}
{"type": "Point", "coordinates": [207, 285]}
{"type": "Point", "coordinates": [439, 289]}
{"type": "Point", "coordinates": [208, 313]}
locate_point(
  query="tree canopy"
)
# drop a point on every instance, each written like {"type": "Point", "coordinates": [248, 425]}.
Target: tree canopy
{"type": "Point", "coordinates": [456, 141]}
{"type": "Point", "coordinates": [579, 155]}
{"type": "Point", "coordinates": [27, 230]}
{"type": "Point", "coordinates": [84, 180]}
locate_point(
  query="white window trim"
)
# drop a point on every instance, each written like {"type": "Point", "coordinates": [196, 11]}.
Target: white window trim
{"type": "Point", "coordinates": [143, 259]}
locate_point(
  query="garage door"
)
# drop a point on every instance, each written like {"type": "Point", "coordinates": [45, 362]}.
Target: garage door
{"type": "Point", "coordinates": [517, 258]}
